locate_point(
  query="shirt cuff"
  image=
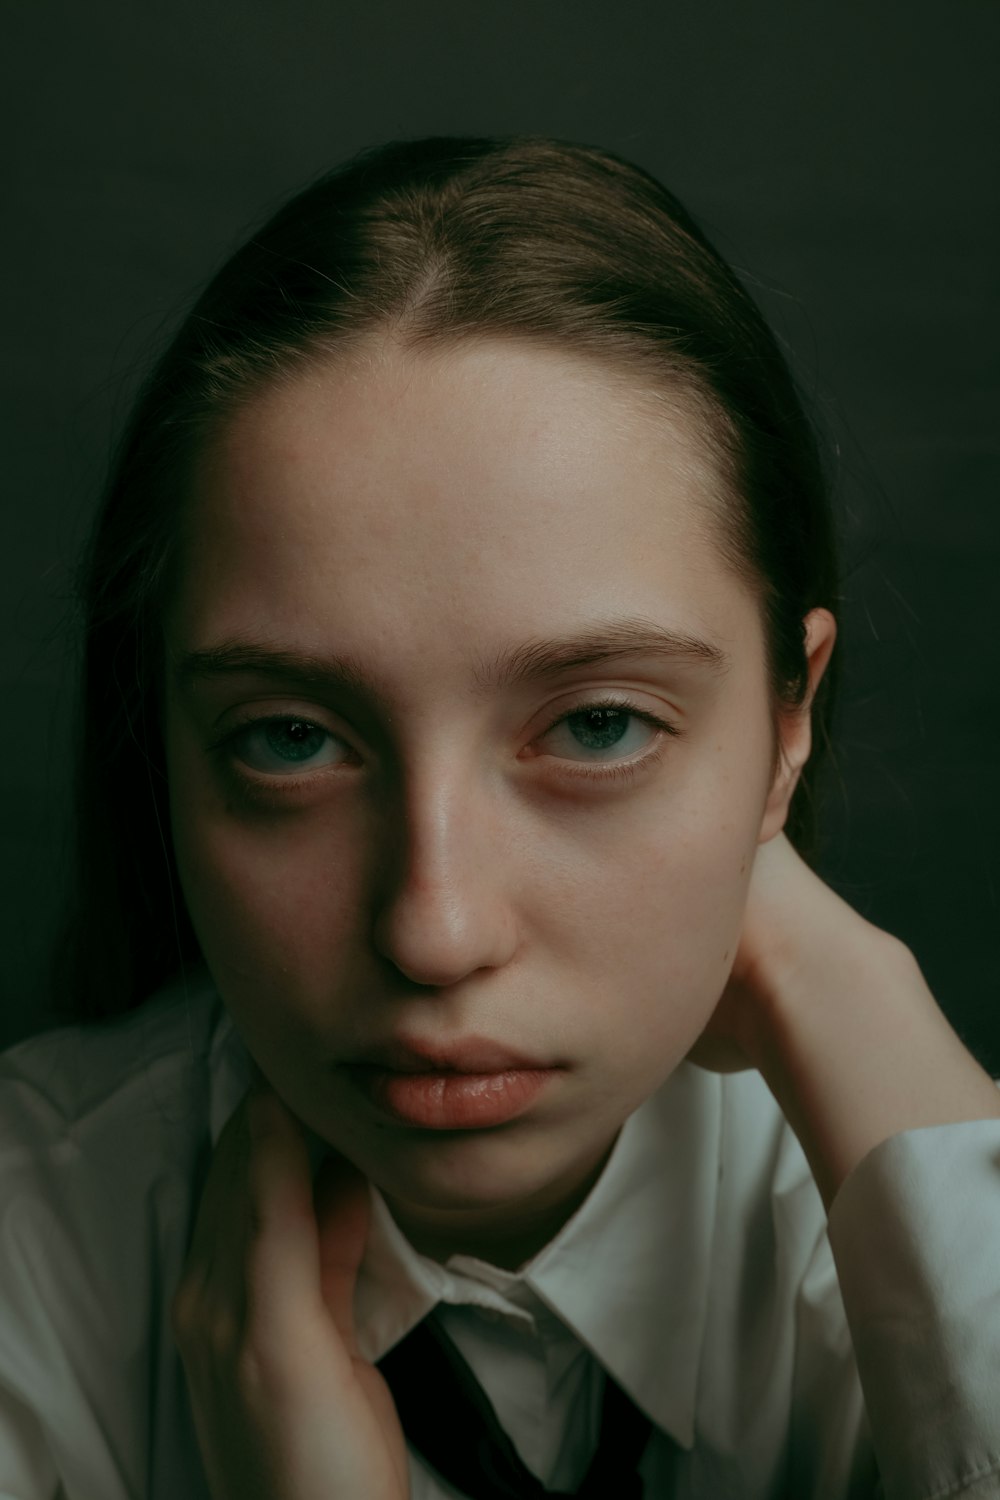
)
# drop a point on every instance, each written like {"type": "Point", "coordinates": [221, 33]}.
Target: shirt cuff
{"type": "Point", "coordinates": [915, 1235]}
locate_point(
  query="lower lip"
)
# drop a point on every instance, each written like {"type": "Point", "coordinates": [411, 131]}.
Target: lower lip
{"type": "Point", "coordinates": [452, 1101]}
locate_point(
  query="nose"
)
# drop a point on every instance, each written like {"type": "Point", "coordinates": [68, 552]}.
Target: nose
{"type": "Point", "coordinates": [443, 906]}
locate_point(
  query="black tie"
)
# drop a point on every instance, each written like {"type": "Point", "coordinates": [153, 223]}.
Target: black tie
{"type": "Point", "coordinates": [450, 1420]}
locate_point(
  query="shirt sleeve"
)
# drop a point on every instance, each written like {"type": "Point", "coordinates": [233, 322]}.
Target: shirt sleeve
{"type": "Point", "coordinates": [915, 1235]}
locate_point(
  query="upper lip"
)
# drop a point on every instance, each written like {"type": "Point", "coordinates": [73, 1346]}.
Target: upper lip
{"type": "Point", "coordinates": [469, 1055]}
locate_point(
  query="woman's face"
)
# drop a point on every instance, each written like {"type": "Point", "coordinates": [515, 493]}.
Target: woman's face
{"type": "Point", "coordinates": [439, 845]}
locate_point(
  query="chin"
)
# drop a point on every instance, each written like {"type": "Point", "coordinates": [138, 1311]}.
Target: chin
{"type": "Point", "coordinates": [475, 1170]}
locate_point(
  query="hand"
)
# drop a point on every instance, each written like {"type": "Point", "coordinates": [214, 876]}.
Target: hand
{"type": "Point", "coordinates": [793, 920]}
{"type": "Point", "coordinates": [837, 1017]}
{"type": "Point", "coordinates": [285, 1408]}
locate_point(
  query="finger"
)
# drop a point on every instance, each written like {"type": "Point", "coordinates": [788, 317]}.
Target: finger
{"type": "Point", "coordinates": [343, 1215]}
{"type": "Point", "coordinates": [223, 1194]}
{"type": "Point", "coordinates": [282, 1245]}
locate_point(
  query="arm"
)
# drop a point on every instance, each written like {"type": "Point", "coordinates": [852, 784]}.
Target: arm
{"type": "Point", "coordinates": [839, 1020]}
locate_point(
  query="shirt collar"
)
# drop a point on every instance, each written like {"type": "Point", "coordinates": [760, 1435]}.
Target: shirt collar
{"type": "Point", "coordinates": [628, 1273]}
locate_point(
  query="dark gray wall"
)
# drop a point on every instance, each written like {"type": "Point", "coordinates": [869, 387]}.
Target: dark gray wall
{"type": "Point", "coordinates": [842, 153]}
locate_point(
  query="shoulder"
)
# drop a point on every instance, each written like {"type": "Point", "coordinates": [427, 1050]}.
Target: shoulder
{"type": "Point", "coordinates": [730, 1154]}
{"type": "Point", "coordinates": [779, 1300]}
{"type": "Point", "coordinates": [761, 1152]}
{"type": "Point", "coordinates": [101, 1126]}
{"type": "Point", "coordinates": [770, 1204]}
{"type": "Point", "coordinates": [92, 1082]}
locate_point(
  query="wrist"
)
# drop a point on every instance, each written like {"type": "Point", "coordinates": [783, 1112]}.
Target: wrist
{"type": "Point", "coordinates": [814, 978]}
{"type": "Point", "coordinates": [855, 1049]}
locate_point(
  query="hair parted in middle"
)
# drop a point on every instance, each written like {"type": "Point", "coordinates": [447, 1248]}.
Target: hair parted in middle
{"type": "Point", "coordinates": [428, 243]}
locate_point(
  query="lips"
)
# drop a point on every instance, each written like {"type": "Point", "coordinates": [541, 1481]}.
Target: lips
{"type": "Point", "coordinates": [468, 1084]}
{"type": "Point", "coordinates": [467, 1055]}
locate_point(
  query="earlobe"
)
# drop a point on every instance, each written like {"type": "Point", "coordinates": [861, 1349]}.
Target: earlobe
{"type": "Point", "coordinates": [795, 726]}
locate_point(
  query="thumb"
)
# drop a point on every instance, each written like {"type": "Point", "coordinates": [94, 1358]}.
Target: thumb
{"type": "Point", "coordinates": [343, 1214]}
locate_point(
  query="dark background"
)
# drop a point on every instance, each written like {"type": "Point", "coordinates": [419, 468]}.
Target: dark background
{"type": "Point", "coordinates": [841, 153]}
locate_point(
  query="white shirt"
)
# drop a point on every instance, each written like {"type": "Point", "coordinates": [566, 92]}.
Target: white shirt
{"type": "Point", "coordinates": [700, 1271]}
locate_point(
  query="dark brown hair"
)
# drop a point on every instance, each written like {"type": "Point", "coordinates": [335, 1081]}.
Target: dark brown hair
{"type": "Point", "coordinates": [436, 241]}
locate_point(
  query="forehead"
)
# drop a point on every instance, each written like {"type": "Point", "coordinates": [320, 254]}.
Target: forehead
{"type": "Point", "coordinates": [487, 493]}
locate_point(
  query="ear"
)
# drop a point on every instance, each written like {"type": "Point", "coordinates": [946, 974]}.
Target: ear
{"type": "Point", "coordinates": [795, 726]}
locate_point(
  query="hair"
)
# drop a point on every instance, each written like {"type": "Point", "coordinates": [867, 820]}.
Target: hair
{"type": "Point", "coordinates": [437, 242]}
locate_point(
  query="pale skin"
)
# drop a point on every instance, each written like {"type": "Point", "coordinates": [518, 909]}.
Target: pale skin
{"type": "Point", "coordinates": [441, 870]}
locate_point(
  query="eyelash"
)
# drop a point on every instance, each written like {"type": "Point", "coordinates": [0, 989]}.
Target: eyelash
{"type": "Point", "coordinates": [621, 772]}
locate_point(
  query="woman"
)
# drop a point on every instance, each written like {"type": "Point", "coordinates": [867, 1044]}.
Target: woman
{"type": "Point", "coordinates": [460, 619]}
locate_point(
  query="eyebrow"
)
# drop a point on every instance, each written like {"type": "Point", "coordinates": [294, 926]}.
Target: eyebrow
{"type": "Point", "coordinates": [602, 641]}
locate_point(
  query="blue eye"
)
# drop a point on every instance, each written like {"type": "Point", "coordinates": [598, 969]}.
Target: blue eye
{"type": "Point", "coordinates": [601, 730]}
{"type": "Point", "coordinates": [292, 740]}
{"type": "Point", "coordinates": [603, 727]}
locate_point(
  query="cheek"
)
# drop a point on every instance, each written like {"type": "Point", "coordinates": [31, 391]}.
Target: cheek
{"type": "Point", "coordinates": [273, 898]}
{"type": "Point", "coordinates": [669, 923]}
{"type": "Point", "coordinates": [659, 916]}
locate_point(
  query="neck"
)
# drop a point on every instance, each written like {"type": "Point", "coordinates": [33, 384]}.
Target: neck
{"type": "Point", "coordinates": [504, 1234]}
